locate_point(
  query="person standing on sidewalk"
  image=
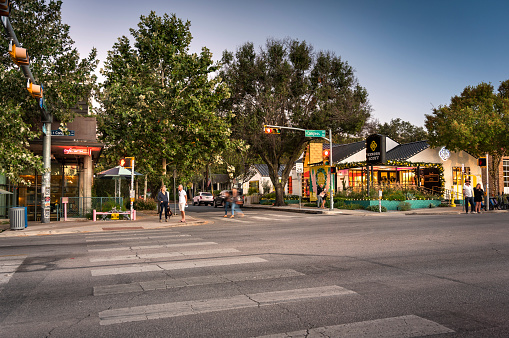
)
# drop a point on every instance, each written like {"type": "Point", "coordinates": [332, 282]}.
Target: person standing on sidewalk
{"type": "Point", "coordinates": [182, 203]}
{"type": "Point", "coordinates": [319, 195]}
{"type": "Point", "coordinates": [468, 195]}
{"type": "Point", "coordinates": [478, 197]}
{"type": "Point", "coordinates": [162, 198]}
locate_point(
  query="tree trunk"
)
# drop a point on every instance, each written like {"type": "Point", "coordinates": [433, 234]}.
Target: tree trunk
{"type": "Point", "coordinates": [280, 195]}
{"type": "Point", "coordinates": [145, 189]}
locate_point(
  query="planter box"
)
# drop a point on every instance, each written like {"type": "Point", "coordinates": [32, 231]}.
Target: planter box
{"type": "Point", "coordinates": [286, 201]}
{"type": "Point", "coordinates": [393, 205]}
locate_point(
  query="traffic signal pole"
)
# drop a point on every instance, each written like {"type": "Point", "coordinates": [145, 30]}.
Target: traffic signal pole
{"type": "Point", "coordinates": [47, 118]}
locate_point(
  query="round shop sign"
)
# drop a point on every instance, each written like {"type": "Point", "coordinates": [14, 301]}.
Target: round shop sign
{"type": "Point", "coordinates": [444, 154]}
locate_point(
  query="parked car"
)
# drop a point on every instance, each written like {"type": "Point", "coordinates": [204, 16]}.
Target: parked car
{"type": "Point", "coordinates": [203, 198]}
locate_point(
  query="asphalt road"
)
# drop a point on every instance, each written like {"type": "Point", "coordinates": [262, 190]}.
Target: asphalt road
{"type": "Point", "coordinates": [269, 273]}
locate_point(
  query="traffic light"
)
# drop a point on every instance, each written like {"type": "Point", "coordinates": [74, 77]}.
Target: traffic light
{"type": "Point", "coordinates": [4, 8]}
{"type": "Point", "coordinates": [19, 55]}
{"type": "Point", "coordinates": [34, 90]}
{"type": "Point", "coordinates": [333, 170]}
{"type": "Point", "coordinates": [481, 162]}
{"type": "Point", "coordinates": [127, 162]}
{"type": "Point", "coordinates": [270, 130]}
{"type": "Point", "coordinates": [326, 156]}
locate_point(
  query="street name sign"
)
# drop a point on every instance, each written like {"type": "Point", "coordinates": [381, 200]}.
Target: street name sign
{"type": "Point", "coordinates": [315, 133]}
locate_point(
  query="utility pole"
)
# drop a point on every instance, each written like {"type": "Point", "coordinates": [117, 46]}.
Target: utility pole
{"type": "Point", "coordinates": [47, 119]}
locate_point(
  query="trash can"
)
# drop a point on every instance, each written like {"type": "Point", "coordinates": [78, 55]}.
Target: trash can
{"type": "Point", "coordinates": [18, 218]}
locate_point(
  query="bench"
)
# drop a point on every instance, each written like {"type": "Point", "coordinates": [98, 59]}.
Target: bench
{"type": "Point", "coordinates": [126, 214]}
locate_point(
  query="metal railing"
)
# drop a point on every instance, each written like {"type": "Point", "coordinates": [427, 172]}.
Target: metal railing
{"type": "Point", "coordinates": [80, 207]}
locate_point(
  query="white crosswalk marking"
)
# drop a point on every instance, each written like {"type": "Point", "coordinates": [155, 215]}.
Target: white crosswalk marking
{"type": "Point", "coordinates": [8, 266]}
{"type": "Point", "coordinates": [157, 311]}
{"type": "Point", "coordinates": [149, 247]}
{"type": "Point", "coordinates": [135, 238]}
{"type": "Point", "coordinates": [163, 255]}
{"type": "Point", "coordinates": [401, 327]}
{"type": "Point", "coordinates": [189, 264]}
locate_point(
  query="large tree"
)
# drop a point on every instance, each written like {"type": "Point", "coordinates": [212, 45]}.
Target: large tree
{"type": "Point", "coordinates": [476, 121]}
{"type": "Point", "coordinates": [402, 131]}
{"type": "Point", "coordinates": [55, 63]}
{"type": "Point", "coordinates": [159, 101]}
{"type": "Point", "coordinates": [287, 84]}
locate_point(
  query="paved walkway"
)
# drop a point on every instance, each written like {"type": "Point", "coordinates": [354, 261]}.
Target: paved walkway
{"type": "Point", "coordinates": [149, 220]}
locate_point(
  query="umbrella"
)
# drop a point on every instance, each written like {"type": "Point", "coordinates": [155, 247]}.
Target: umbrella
{"type": "Point", "coordinates": [117, 172]}
{"type": "Point", "coordinates": [2, 191]}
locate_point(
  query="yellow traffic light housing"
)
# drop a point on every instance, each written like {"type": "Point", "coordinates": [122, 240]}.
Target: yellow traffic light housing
{"type": "Point", "coordinates": [4, 8]}
{"type": "Point", "coordinates": [270, 130]}
{"type": "Point", "coordinates": [19, 55]}
{"type": "Point", "coordinates": [34, 90]}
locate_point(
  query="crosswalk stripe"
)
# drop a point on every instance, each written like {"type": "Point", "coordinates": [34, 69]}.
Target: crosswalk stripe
{"type": "Point", "coordinates": [193, 281]}
{"type": "Point", "coordinates": [8, 266]}
{"type": "Point", "coordinates": [147, 247]}
{"type": "Point", "coordinates": [163, 255]}
{"type": "Point", "coordinates": [403, 327]}
{"type": "Point", "coordinates": [120, 233]}
{"type": "Point", "coordinates": [198, 263]}
{"type": "Point", "coordinates": [114, 238]}
{"type": "Point", "coordinates": [157, 311]}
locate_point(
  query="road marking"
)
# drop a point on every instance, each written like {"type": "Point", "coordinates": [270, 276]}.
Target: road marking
{"type": "Point", "coordinates": [8, 266]}
{"type": "Point", "coordinates": [130, 233]}
{"type": "Point", "coordinates": [158, 246]}
{"type": "Point", "coordinates": [114, 238]}
{"type": "Point", "coordinates": [157, 311]}
{"type": "Point", "coordinates": [163, 255]}
{"type": "Point", "coordinates": [403, 327]}
{"type": "Point", "coordinates": [193, 281]}
{"type": "Point", "coordinates": [197, 263]}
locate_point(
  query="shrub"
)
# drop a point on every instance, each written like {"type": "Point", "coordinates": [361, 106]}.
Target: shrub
{"type": "Point", "coordinates": [292, 197]}
{"type": "Point", "coordinates": [431, 205]}
{"type": "Point", "coordinates": [270, 196]}
{"type": "Point", "coordinates": [376, 208]}
{"type": "Point", "coordinates": [404, 206]}
{"type": "Point", "coordinates": [252, 191]}
{"type": "Point", "coordinates": [310, 204]}
{"type": "Point", "coordinates": [141, 204]}
{"type": "Point", "coordinates": [108, 205]}
{"type": "Point", "coordinates": [444, 205]}
{"type": "Point", "coordinates": [265, 202]}
{"type": "Point", "coordinates": [351, 207]}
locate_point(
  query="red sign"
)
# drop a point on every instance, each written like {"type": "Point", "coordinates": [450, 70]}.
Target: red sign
{"type": "Point", "coordinates": [78, 151]}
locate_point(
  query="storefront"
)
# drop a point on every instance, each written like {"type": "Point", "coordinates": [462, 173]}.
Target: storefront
{"type": "Point", "coordinates": [72, 166]}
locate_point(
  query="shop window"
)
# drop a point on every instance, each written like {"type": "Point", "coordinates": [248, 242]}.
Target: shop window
{"type": "Point", "coordinates": [457, 177]}
{"type": "Point", "coordinates": [254, 186]}
{"type": "Point", "coordinates": [407, 177]}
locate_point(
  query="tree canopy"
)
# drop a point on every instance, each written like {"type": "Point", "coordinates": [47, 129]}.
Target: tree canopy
{"type": "Point", "coordinates": [476, 121]}
{"type": "Point", "coordinates": [159, 102]}
{"type": "Point", "coordinates": [55, 63]}
{"type": "Point", "coordinates": [287, 84]}
{"type": "Point", "coordinates": [401, 131]}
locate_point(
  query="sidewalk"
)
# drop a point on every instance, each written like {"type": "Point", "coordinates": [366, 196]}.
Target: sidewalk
{"type": "Point", "coordinates": [311, 210]}
{"type": "Point", "coordinates": [144, 221]}
{"type": "Point", "coordinates": [150, 220]}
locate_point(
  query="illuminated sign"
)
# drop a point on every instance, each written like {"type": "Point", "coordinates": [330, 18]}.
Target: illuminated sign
{"type": "Point", "coordinates": [375, 149]}
{"type": "Point", "coordinates": [78, 151]}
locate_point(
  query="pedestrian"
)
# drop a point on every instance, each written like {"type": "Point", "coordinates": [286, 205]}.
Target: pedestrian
{"type": "Point", "coordinates": [227, 202]}
{"type": "Point", "coordinates": [478, 197]}
{"type": "Point", "coordinates": [236, 203]}
{"type": "Point", "coordinates": [182, 203]}
{"type": "Point", "coordinates": [319, 195]}
{"type": "Point", "coordinates": [468, 195]}
{"type": "Point", "coordinates": [162, 198]}
{"type": "Point", "coordinates": [324, 197]}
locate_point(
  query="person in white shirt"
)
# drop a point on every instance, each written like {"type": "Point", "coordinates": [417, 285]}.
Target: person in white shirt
{"type": "Point", "coordinates": [182, 203]}
{"type": "Point", "coordinates": [468, 194]}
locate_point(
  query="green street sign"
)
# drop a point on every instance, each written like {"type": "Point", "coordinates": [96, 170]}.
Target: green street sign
{"type": "Point", "coordinates": [315, 133]}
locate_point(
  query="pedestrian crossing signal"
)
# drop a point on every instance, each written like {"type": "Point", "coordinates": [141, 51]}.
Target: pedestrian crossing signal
{"type": "Point", "coordinates": [481, 162]}
{"type": "Point", "coordinates": [126, 162]}
{"type": "Point", "coordinates": [270, 130]}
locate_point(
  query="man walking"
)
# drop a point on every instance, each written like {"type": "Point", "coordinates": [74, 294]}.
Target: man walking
{"type": "Point", "coordinates": [182, 203]}
{"type": "Point", "coordinates": [319, 190]}
{"type": "Point", "coordinates": [468, 194]}
{"type": "Point", "coordinates": [162, 197]}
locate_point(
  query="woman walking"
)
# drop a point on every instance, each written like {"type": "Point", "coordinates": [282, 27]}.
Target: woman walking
{"type": "Point", "coordinates": [236, 203]}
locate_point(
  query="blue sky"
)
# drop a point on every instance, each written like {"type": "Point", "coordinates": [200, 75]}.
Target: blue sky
{"type": "Point", "coordinates": [410, 55]}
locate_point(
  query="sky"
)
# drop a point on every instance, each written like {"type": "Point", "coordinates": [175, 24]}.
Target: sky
{"type": "Point", "coordinates": [410, 55]}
